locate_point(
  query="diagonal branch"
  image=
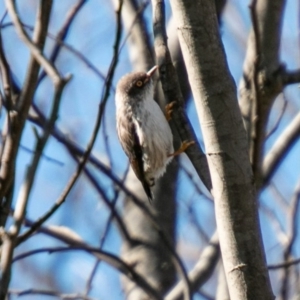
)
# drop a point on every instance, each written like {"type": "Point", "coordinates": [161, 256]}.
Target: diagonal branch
{"type": "Point", "coordinates": [35, 48]}
{"type": "Point", "coordinates": [62, 34]}
{"type": "Point", "coordinates": [172, 93]}
{"type": "Point", "coordinates": [201, 271]}
{"type": "Point", "coordinates": [280, 149]}
{"type": "Point", "coordinates": [69, 237]}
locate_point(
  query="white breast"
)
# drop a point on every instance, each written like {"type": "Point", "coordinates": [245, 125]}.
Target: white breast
{"type": "Point", "coordinates": [155, 137]}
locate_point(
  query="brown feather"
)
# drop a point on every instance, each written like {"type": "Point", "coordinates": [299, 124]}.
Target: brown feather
{"type": "Point", "coordinates": [133, 149]}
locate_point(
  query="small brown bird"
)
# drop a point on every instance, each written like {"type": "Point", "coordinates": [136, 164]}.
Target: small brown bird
{"type": "Point", "coordinates": [143, 130]}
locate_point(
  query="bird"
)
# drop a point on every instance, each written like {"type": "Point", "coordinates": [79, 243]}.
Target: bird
{"type": "Point", "coordinates": [143, 129]}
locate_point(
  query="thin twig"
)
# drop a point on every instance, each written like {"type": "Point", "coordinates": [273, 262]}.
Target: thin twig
{"type": "Point", "coordinates": [284, 264]}
{"type": "Point", "coordinates": [274, 220]}
{"type": "Point", "coordinates": [5, 75]}
{"type": "Point", "coordinates": [110, 204]}
{"type": "Point", "coordinates": [8, 99]}
{"type": "Point", "coordinates": [34, 50]}
{"type": "Point", "coordinates": [86, 154]}
{"type": "Point", "coordinates": [280, 149]}
{"type": "Point", "coordinates": [194, 183]}
{"type": "Point", "coordinates": [202, 270]}
{"type": "Point", "coordinates": [69, 48]}
{"type": "Point", "coordinates": [194, 220]}
{"type": "Point", "coordinates": [104, 235]}
{"type": "Point", "coordinates": [58, 295]}
{"type": "Point", "coordinates": [77, 244]}
{"type": "Point", "coordinates": [62, 34]}
{"type": "Point", "coordinates": [292, 232]}
{"type": "Point", "coordinates": [276, 125]}
{"type": "Point", "coordinates": [103, 102]}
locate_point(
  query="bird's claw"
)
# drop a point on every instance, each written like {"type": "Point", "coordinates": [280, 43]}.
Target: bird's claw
{"type": "Point", "coordinates": [169, 109]}
{"type": "Point", "coordinates": [184, 145]}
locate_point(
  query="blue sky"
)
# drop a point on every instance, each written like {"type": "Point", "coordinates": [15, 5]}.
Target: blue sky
{"type": "Point", "coordinates": [92, 34]}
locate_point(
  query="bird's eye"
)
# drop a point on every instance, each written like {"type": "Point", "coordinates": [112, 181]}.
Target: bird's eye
{"type": "Point", "coordinates": [139, 83]}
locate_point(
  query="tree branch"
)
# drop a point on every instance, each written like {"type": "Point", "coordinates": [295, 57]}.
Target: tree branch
{"type": "Point", "coordinates": [226, 147]}
{"type": "Point", "coordinates": [67, 236]}
{"type": "Point", "coordinates": [291, 77]}
{"type": "Point", "coordinates": [280, 149]}
{"type": "Point", "coordinates": [17, 120]}
{"type": "Point", "coordinates": [172, 93]}
{"type": "Point", "coordinates": [201, 271]}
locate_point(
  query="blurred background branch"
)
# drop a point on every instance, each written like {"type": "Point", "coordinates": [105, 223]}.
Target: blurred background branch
{"type": "Point", "coordinates": [57, 132]}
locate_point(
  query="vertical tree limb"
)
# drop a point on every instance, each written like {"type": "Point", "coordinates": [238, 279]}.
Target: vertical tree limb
{"type": "Point", "coordinates": [172, 93]}
{"type": "Point", "coordinates": [264, 76]}
{"type": "Point", "coordinates": [226, 146]}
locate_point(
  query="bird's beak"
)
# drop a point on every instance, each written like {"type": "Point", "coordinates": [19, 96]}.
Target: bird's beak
{"type": "Point", "coordinates": [152, 71]}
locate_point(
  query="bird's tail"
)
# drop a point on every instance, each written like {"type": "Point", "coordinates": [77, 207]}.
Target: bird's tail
{"type": "Point", "coordinates": [148, 191]}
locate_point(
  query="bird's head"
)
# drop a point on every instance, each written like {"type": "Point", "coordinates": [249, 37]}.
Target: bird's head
{"type": "Point", "coordinates": [137, 85]}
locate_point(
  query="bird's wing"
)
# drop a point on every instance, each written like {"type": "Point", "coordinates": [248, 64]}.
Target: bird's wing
{"type": "Point", "coordinates": [131, 144]}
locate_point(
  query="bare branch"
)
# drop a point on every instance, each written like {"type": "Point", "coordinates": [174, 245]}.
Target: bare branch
{"type": "Point", "coordinates": [201, 271]}
{"type": "Point", "coordinates": [290, 77]}
{"type": "Point", "coordinates": [257, 121]}
{"type": "Point", "coordinates": [74, 149]}
{"type": "Point", "coordinates": [63, 235]}
{"type": "Point", "coordinates": [106, 92]}
{"type": "Point", "coordinates": [284, 264]}
{"type": "Point", "coordinates": [280, 149]}
{"type": "Point", "coordinates": [292, 232]}
{"type": "Point", "coordinates": [140, 52]}
{"type": "Point", "coordinates": [17, 116]}
{"type": "Point", "coordinates": [34, 50]}
{"type": "Point", "coordinates": [62, 34]}
{"type": "Point", "coordinates": [262, 80]}
{"type": "Point", "coordinates": [172, 93]}
{"type": "Point", "coordinates": [6, 76]}
{"type": "Point", "coordinates": [275, 127]}
{"type": "Point", "coordinates": [35, 291]}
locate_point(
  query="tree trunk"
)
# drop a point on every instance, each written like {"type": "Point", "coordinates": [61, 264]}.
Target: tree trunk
{"type": "Point", "coordinates": [226, 146]}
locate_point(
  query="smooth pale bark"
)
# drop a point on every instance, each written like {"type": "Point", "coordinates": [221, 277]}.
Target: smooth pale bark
{"type": "Point", "coordinates": [222, 288]}
{"type": "Point", "coordinates": [226, 146]}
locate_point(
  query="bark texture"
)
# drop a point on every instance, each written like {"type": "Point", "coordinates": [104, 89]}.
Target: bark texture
{"type": "Point", "coordinates": [148, 255]}
{"type": "Point", "coordinates": [226, 146]}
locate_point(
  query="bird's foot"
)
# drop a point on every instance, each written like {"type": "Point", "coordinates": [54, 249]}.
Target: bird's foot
{"type": "Point", "coordinates": [169, 109]}
{"type": "Point", "coordinates": [184, 145]}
